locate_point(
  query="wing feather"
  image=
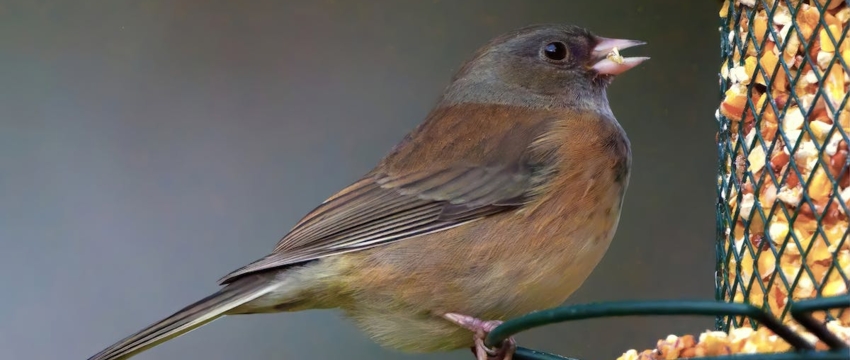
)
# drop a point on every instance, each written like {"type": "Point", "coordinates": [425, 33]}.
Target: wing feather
{"type": "Point", "coordinates": [447, 172]}
{"type": "Point", "coordinates": [381, 209]}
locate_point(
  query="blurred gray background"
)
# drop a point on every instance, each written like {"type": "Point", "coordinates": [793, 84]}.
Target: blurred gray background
{"type": "Point", "coordinates": [148, 148]}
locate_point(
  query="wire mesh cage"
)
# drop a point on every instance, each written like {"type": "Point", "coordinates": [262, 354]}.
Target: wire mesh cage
{"type": "Point", "coordinates": [784, 183]}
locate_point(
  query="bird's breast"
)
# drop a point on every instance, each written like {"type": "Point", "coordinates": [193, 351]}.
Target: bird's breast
{"type": "Point", "coordinates": [569, 226]}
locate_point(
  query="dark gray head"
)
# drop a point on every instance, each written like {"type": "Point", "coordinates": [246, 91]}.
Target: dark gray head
{"type": "Point", "coordinates": [542, 66]}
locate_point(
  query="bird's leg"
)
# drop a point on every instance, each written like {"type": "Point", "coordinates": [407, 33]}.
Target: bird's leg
{"type": "Point", "coordinates": [504, 351]}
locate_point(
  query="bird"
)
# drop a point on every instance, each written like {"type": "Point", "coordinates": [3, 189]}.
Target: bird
{"type": "Point", "coordinates": [500, 202]}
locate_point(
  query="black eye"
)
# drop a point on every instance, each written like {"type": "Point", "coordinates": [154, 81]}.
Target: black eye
{"type": "Point", "coordinates": [555, 51]}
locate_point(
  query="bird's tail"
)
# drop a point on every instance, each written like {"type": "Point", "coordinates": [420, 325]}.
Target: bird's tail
{"type": "Point", "coordinates": [188, 318]}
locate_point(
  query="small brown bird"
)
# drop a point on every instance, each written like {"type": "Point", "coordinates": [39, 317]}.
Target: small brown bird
{"type": "Point", "coordinates": [502, 202]}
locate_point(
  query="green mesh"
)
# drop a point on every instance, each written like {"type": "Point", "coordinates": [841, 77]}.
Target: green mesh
{"type": "Point", "coordinates": [751, 232]}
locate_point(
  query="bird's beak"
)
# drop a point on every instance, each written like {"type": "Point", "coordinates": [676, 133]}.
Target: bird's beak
{"type": "Point", "coordinates": [607, 59]}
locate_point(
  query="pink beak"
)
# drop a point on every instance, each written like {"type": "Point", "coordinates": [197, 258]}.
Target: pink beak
{"type": "Point", "coordinates": [606, 66]}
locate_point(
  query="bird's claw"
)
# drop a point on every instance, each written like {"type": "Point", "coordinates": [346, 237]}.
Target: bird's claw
{"type": "Point", "coordinates": [505, 351]}
{"type": "Point", "coordinates": [480, 328]}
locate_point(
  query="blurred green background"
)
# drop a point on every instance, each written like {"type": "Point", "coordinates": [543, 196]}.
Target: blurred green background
{"type": "Point", "coordinates": [148, 148]}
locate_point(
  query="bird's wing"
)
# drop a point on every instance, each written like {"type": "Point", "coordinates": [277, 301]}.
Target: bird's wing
{"type": "Point", "coordinates": [380, 209]}
{"type": "Point", "coordinates": [462, 164]}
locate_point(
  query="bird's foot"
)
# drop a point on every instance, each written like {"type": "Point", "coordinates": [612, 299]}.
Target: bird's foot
{"type": "Point", "coordinates": [503, 351]}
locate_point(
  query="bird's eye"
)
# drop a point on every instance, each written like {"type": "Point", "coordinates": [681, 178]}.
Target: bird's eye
{"type": "Point", "coordinates": [556, 51]}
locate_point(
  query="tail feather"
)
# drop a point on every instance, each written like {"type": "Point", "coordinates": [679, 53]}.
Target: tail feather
{"type": "Point", "coordinates": [188, 318]}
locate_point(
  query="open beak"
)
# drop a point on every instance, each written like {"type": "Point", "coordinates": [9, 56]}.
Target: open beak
{"type": "Point", "coordinates": [607, 57]}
